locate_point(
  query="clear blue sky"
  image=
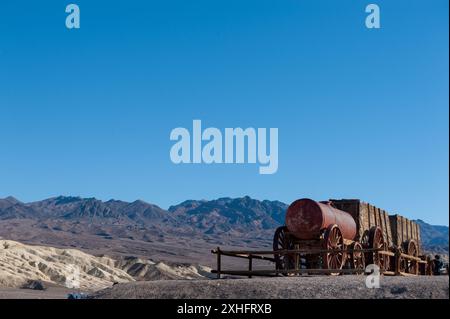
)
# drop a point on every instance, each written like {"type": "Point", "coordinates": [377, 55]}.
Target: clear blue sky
{"type": "Point", "coordinates": [361, 113]}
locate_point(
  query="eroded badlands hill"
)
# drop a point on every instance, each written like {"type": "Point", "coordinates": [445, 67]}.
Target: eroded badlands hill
{"type": "Point", "coordinates": [74, 268]}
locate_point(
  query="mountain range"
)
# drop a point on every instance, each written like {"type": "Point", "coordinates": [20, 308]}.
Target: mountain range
{"type": "Point", "coordinates": [185, 231]}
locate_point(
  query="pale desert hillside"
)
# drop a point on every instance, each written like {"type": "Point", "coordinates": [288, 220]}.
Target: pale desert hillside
{"type": "Point", "coordinates": [73, 268]}
{"type": "Point", "coordinates": [67, 267]}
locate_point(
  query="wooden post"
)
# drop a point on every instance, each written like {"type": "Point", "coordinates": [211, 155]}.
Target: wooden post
{"type": "Point", "coordinates": [416, 264]}
{"type": "Point", "coordinates": [398, 254]}
{"type": "Point", "coordinates": [250, 265]}
{"type": "Point", "coordinates": [218, 262]}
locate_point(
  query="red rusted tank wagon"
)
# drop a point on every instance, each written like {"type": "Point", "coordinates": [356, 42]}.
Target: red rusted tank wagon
{"type": "Point", "coordinates": [321, 226]}
{"type": "Point", "coordinates": [351, 235]}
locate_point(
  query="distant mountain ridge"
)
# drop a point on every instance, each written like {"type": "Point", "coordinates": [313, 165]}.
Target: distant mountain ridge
{"type": "Point", "coordinates": [232, 212]}
{"type": "Point", "coordinates": [223, 213]}
{"type": "Point", "coordinates": [434, 238]}
{"type": "Point", "coordinates": [238, 221]}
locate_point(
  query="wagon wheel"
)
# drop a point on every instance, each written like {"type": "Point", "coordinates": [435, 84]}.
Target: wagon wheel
{"type": "Point", "coordinates": [365, 238]}
{"type": "Point", "coordinates": [334, 241]}
{"type": "Point", "coordinates": [376, 241]}
{"type": "Point", "coordinates": [357, 258]}
{"type": "Point", "coordinates": [281, 241]}
{"type": "Point", "coordinates": [411, 250]}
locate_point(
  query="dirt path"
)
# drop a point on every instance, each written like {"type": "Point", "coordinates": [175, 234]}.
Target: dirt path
{"type": "Point", "coordinates": [348, 287]}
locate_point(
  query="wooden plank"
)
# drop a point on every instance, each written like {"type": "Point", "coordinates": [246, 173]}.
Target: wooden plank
{"type": "Point", "coordinates": [397, 230]}
{"type": "Point", "coordinates": [247, 256]}
{"type": "Point", "coordinates": [393, 223]}
{"type": "Point", "coordinates": [419, 239]}
{"type": "Point", "coordinates": [379, 221]}
{"type": "Point", "coordinates": [387, 253]}
{"type": "Point", "coordinates": [364, 216]}
{"type": "Point", "coordinates": [373, 221]}
{"type": "Point", "coordinates": [405, 256]}
{"type": "Point", "coordinates": [255, 253]}
{"type": "Point", "coordinates": [374, 214]}
{"type": "Point", "coordinates": [419, 244]}
{"type": "Point", "coordinates": [400, 230]}
{"type": "Point", "coordinates": [418, 232]}
{"type": "Point", "coordinates": [404, 274]}
{"type": "Point", "coordinates": [404, 230]}
{"type": "Point", "coordinates": [414, 230]}
{"type": "Point", "coordinates": [273, 272]}
{"type": "Point", "coordinates": [361, 221]}
{"type": "Point", "coordinates": [268, 272]}
{"type": "Point", "coordinates": [388, 228]}
{"type": "Point", "coordinates": [382, 223]}
{"type": "Point", "coordinates": [365, 210]}
{"type": "Point", "coordinates": [386, 225]}
{"type": "Point", "coordinates": [409, 233]}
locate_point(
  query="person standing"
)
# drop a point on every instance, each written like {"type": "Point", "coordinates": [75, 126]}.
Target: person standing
{"type": "Point", "coordinates": [437, 265]}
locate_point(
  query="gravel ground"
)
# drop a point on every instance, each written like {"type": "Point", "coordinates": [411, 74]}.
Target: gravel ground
{"type": "Point", "coordinates": [342, 287]}
{"type": "Point", "coordinates": [49, 293]}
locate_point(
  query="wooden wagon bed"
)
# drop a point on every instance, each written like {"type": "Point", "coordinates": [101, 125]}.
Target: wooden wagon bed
{"type": "Point", "coordinates": [397, 230]}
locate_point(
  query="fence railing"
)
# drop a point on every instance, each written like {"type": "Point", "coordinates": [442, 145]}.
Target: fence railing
{"type": "Point", "coordinates": [266, 255]}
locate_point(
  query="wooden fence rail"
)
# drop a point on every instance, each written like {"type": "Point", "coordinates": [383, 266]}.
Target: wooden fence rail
{"type": "Point", "coordinates": [262, 255]}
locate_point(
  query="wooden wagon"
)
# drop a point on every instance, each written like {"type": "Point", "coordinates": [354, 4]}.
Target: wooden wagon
{"type": "Point", "coordinates": [400, 235]}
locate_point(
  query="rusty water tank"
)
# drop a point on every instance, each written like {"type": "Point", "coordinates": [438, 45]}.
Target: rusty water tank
{"type": "Point", "coordinates": [306, 218]}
